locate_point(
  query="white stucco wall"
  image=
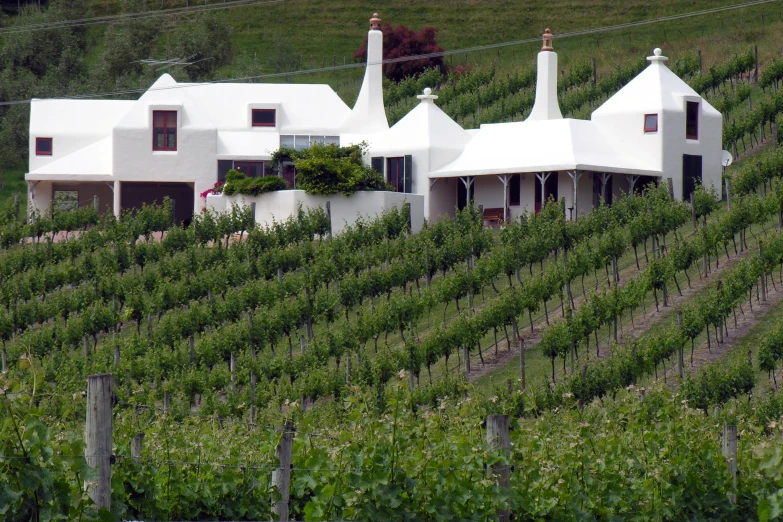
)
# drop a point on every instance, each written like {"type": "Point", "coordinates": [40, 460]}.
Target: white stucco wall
{"type": "Point", "coordinates": [280, 205]}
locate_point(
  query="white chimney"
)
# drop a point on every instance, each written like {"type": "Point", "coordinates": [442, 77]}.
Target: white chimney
{"type": "Point", "coordinates": [369, 114]}
{"type": "Point", "coordinates": [546, 106]}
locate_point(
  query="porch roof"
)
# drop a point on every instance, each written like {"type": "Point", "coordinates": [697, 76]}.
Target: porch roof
{"type": "Point", "coordinates": [542, 146]}
{"type": "Point", "coordinates": [92, 162]}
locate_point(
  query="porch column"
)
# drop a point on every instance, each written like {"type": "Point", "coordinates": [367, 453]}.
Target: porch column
{"type": "Point", "coordinates": [575, 175]}
{"type": "Point", "coordinates": [604, 177]}
{"type": "Point", "coordinates": [542, 177]}
{"type": "Point", "coordinates": [505, 179]}
{"type": "Point", "coordinates": [117, 208]}
{"type": "Point", "coordinates": [631, 182]}
{"type": "Point", "coordinates": [30, 202]}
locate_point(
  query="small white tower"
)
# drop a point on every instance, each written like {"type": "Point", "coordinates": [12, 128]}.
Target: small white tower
{"type": "Point", "coordinates": [546, 106]}
{"type": "Point", "coordinates": [369, 115]}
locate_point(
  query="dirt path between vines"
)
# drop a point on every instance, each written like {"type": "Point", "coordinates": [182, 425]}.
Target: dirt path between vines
{"type": "Point", "coordinates": [641, 323]}
{"type": "Point", "coordinates": [746, 320]}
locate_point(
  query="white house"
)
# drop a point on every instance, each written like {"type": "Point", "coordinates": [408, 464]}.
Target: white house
{"type": "Point", "coordinates": [655, 127]}
{"type": "Point", "coordinates": [178, 140]}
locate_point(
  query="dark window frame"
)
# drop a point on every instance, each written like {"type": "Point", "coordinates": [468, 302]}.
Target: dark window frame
{"type": "Point", "coordinates": [263, 111]}
{"type": "Point", "coordinates": [39, 152]}
{"type": "Point", "coordinates": [692, 125]}
{"type": "Point", "coordinates": [650, 129]}
{"type": "Point", "coordinates": [396, 177]}
{"type": "Point", "coordinates": [166, 127]}
{"type": "Point", "coordinates": [247, 164]}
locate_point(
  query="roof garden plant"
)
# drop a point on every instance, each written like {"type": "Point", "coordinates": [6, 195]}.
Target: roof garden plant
{"type": "Point", "coordinates": [329, 169]}
{"type": "Point", "coordinates": [238, 183]}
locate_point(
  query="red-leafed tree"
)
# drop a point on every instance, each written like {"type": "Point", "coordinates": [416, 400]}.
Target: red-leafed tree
{"type": "Point", "coordinates": [402, 41]}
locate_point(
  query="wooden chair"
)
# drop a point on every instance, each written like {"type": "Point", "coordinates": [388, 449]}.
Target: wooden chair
{"type": "Point", "coordinates": [493, 215]}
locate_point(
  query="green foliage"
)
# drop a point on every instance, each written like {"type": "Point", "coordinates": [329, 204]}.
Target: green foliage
{"type": "Point", "coordinates": [238, 183]}
{"type": "Point", "coordinates": [327, 169]}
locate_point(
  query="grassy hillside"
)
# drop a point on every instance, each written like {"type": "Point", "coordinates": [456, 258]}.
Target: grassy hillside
{"type": "Point", "coordinates": [296, 34]}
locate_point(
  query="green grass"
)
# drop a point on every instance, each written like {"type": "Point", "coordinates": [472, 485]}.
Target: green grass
{"type": "Point", "coordinates": [312, 33]}
{"type": "Point", "coordinates": [13, 183]}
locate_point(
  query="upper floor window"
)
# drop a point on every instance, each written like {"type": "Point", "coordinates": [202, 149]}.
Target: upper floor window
{"type": "Point", "coordinates": [43, 146]}
{"type": "Point", "coordinates": [650, 123]}
{"type": "Point", "coordinates": [304, 141]}
{"type": "Point", "coordinates": [164, 130]}
{"type": "Point", "coordinates": [692, 120]}
{"type": "Point", "coordinates": [264, 117]}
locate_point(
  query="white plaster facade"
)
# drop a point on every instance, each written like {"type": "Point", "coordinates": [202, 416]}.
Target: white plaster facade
{"type": "Point", "coordinates": [108, 145]}
{"type": "Point", "coordinates": [345, 210]}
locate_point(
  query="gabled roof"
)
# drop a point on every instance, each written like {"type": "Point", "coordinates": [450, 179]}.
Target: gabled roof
{"type": "Point", "coordinates": [76, 117]}
{"type": "Point", "coordinates": [656, 88]}
{"type": "Point", "coordinates": [542, 146]}
{"type": "Point", "coordinates": [93, 160]}
{"type": "Point", "coordinates": [301, 108]}
{"type": "Point", "coordinates": [425, 126]}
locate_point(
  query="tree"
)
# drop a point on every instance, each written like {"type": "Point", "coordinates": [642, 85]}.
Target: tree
{"type": "Point", "coordinates": [204, 42]}
{"type": "Point", "coordinates": [402, 41]}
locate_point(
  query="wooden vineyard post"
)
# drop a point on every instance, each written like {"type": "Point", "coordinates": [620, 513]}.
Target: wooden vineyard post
{"type": "Point", "coordinates": [5, 359]}
{"type": "Point", "coordinates": [252, 397]}
{"type": "Point", "coordinates": [466, 356]}
{"type": "Point", "coordinates": [522, 361]}
{"type": "Point", "coordinates": [116, 355]}
{"type": "Point", "coordinates": [98, 437]}
{"type": "Point", "coordinates": [233, 369]}
{"type": "Point", "coordinates": [498, 439]}
{"type": "Point", "coordinates": [729, 447]}
{"type": "Point", "coordinates": [136, 445]}
{"type": "Point", "coordinates": [728, 193]}
{"type": "Point", "coordinates": [693, 213]}
{"type": "Point", "coordinates": [16, 206]}
{"type": "Point", "coordinates": [329, 217]}
{"type": "Point", "coordinates": [680, 351]}
{"type": "Point", "coordinates": [95, 203]}
{"type": "Point", "coordinates": [281, 477]}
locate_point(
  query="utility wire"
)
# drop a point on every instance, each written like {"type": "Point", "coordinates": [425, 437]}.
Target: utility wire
{"type": "Point", "coordinates": [466, 50]}
{"type": "Point", "coordinates": [142, 15]}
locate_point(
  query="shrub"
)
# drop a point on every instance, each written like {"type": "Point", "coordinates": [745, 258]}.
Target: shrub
{"type": "Point", "coordinates": [238, 183]}
{"type": "Point", "coordinates": [403, 41]}
{"type": "Point", "coordinates": [328, 169]}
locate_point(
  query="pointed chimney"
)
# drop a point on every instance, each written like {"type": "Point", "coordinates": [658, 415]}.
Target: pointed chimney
{"type": "Point", "coordinates": [369, 114]}
{"type": "Point", "coordinates": [546, 106]}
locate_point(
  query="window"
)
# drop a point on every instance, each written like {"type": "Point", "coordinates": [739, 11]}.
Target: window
{"type": "Point", "coordinates": [43, 146]}
{"type": "Point", "coordinates": [251, 169]}
{"type": "Point", "coordinates": [65, 200]}
{"type": "Point", "coordinates": [223, 166]}
{"type": "Point", "coordinates": [692, 121]}
{"type": "Point", "coordinates": [395, 173]}
{"type": "Point", "coordinates": [650, 123]}
{"type": "Point", "coordinates": [377, 164]}
{"type": "Point", "coordinates": [304, 141]}
{"type": "Point", "coordinates": [399, 173]}
{"type": "Point", "coordinates": [514, 190]}
{"type": "Point", "coordinates": [164, 130]}
{"type": "Point", "coordinates": [264, 117]}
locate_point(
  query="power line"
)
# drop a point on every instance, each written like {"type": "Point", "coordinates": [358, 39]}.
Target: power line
{"type": "Point", "coordinates": [131, 16]}
{"type": "Point", "coordinates": [466, 50]}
